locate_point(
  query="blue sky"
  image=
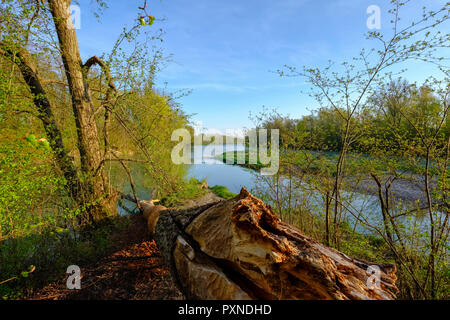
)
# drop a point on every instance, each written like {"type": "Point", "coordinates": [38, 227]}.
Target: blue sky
{"type": "Point", "coordinates": [226, 51]}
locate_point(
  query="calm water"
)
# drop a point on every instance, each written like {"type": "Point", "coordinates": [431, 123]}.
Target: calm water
{"type": "Point", "coordinates": [215, 172]}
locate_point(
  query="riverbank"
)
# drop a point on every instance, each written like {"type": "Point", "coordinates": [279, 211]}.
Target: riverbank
{"type": "Point", "coordinates": [408, 189]}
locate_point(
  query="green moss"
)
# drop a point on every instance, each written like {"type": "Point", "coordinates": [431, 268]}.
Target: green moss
{"type": "Point", "coordinates": [223, 192]}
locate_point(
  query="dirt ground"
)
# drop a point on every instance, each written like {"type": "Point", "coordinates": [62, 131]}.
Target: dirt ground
{"type": "Point", "coordinates": [136, 271]}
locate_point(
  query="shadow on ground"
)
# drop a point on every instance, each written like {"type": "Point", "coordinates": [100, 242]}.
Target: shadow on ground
{"type": "Point", "coordinates": [134, 271]}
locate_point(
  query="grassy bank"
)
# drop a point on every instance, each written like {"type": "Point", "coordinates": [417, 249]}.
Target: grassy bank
{"type": "Point", "coordinates": [223, 192]}
{"type": "Point", "coordinates": [232, 158]}
{"type": "Point", "coordinates": [314, 162]}
{"type": "Point", "coordinates": [190, 189]}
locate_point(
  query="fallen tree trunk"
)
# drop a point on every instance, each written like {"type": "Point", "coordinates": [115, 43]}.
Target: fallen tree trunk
{"type": "Point", "coordinates": [239, 249]}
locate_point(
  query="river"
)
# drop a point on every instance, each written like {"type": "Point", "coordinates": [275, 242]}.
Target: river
{"type": "Point", "coordinates": [215, 172]}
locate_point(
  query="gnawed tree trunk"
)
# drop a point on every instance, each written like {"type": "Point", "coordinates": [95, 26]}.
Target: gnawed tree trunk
{"type": "Point", "coordinates": [239, 249]}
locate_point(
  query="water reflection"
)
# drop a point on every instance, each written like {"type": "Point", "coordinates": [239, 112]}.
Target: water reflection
{"type": "Point", "coordinates": [271, 189]}
{"type": "Point", "coordinates": [215, 172]}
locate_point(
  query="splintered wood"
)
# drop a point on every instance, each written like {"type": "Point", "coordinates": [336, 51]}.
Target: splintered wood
{"type": "Point", "coordinates": [239, 249]}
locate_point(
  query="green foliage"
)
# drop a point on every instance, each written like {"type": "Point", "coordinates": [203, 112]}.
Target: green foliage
{"type": "Point", "coordinates": [151, 117]}
{"type": "Point", "coordinates": [388, 123]}
{"type": "Point", "coordinates": [223, 192]}
{"type": "Point", "coordinates": [190, 189]}
{"type": "Point", "coordinates": [400, 133]}
{"type": "Point", "coordinates": [39, 221]}
{"type": "Point", "coordinates": [358, 131]}
{"type": "Point", "coordinates": [52, 250]}
{"type": "Point", "coordinates": [147, 19]}
{"type": "Point", "coordinates": [28, 187]}
{"type": "Point", "coordinates": [38, 225]}
{"type": "Point", "coordinates": [234, 156]}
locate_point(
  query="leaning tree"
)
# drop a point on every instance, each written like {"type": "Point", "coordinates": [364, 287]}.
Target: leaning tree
{"type": "Point", "coordinates": [29, 30]}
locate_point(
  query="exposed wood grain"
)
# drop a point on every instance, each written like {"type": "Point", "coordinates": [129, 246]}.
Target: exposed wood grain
{"type": "Point", "coordinates": [239, 249]}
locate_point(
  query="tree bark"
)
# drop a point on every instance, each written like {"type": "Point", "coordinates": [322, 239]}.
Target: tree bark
{"type": "Point", "coordinates": [239, 249]}
{"type": "Point", "coordinates": [96, 190]}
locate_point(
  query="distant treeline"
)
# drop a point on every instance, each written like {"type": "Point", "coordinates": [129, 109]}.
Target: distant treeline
{"type": "Point", "coordinates": [208, 139]}
{"type": "Point", "coordinates": [389, 121]}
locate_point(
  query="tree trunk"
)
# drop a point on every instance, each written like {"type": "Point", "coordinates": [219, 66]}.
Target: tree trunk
{"type": "Point", "coordinates": [239, 249]}
{"type": "Point", "coordinates": [27, 66]}
{"type": "Point", "coordinates": [96, 192]}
